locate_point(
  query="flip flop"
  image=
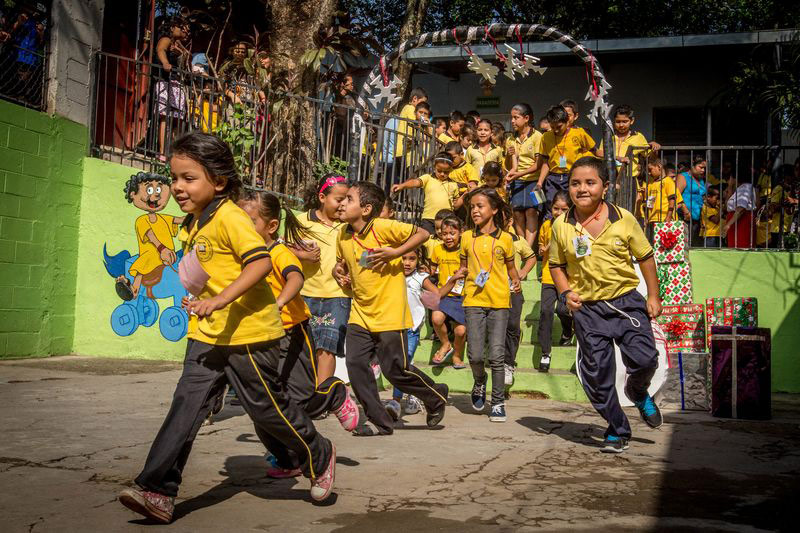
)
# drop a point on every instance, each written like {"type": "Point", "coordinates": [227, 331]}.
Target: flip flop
{"type": "Point", "coordinates": [444, 358]}
{"type": "Point", "coordinates": [459, 366]}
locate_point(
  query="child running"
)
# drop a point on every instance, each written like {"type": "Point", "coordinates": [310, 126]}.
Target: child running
{"type": "Point", "coordinates": [549, 295]}
{"type": "Point", "coordinates": [487, 253]}
{"type": "Point", "coordinates": [369, 251]}
{"type": "Point", "coordinates": [297, 368]}
{"type": "Point", "coordinates": [234, 332]}
{"type": "Point", "coordinates": [446, 258]}
{"type": "Point", "coordinates": [440, 192]}
{"type": "Point", "coordinates": [521, 161]}
{"type": "Point", "coordinates": [328, 302]}
{"type": "Point", "coordinates": [590, 260]}
{"type": "Point", "coordinates": [524, 261]}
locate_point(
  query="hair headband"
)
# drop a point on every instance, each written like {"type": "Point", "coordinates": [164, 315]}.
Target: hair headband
{"type": "Point", "coordinates": [443, 160]}
{"type": "Point", "coordinates": [331, 181]}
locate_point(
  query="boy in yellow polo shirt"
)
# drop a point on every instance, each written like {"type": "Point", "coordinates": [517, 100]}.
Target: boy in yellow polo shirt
{"type": "Point", "coordinates": [560, 148]}
{"type": "Point", "coordinates": [453, 132]}
{"type": "Point", "coordinates": [591, 264]}
{"type": "Point", "coordinates": [440, 191]}
{"type": "Point", "coordinates": [626, 138]}
{"type": "Point", "coordinates": [463, 173]}
{"type": "Point", "coordinates": [709, 219]}
{"type": "Point", "coordinates": [369, 251]}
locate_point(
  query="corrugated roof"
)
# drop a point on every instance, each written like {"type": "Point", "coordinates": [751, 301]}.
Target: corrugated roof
{"type": "Point", "coordinates": [432, 54]}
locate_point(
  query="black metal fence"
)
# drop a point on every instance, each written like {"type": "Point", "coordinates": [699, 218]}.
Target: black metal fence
{"type": "Point", "coordinates": [22, 75]}
{"type": "Point", "coordinates": [729, 197]}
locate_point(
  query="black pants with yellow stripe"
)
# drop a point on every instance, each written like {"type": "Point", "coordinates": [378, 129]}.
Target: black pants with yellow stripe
{"type": "Point", "coordinates": [253, 371]}
{"type": "Point", "coordinates": [298, 373]}
{"type": "Point", "coordinates": [391, 350]}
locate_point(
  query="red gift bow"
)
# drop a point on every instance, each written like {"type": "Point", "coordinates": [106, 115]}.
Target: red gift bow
{"type": "Point", "coordinates": [676, 327]}
{"type": "Point", "coordinates": [668, 239]}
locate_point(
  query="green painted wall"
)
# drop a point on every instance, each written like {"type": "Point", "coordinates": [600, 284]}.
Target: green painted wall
{"type": "Point", "coordinates": [40, 190]}
{"type": "Point", "coordinates": [774, 279]}
{"type": "Point", "coordinates": [108, 218]}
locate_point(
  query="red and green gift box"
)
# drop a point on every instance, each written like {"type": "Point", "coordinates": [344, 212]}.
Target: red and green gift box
{"type": "Point", "coordinates": [730, 312]}
{"type": "Point", "coordinates": [675, 283]}
{"type": "Point", "coordinates": [669, 242]}
{"type": "Point", "coordinates": [683, 327]}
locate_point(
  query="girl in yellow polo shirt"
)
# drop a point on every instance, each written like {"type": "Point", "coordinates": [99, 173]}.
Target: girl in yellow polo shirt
{"type": "Point", "coordinates": [328, 302]}
{"type": "Point", "coordinates": [234, 334]}
{"type": "Point", "coordinates": [487, 254]}
{"type": "Point", "coordinates": [591, 261]}
{"type": "Point", "coordinates": [483, 150]}
{"type": "Point", "coordinates": [521, 176]}
{"type": "Point", "coordinates": [297, 368]}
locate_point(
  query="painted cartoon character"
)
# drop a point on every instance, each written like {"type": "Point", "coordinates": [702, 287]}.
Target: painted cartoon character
{"type": "Point", "coordinates": [155, 267]}
{"type": "Point", "coordinates": [154, 233]}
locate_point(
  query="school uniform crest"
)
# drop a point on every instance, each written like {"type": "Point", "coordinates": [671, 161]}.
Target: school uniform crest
{"type": "Point", "coordinates": [203, 249]}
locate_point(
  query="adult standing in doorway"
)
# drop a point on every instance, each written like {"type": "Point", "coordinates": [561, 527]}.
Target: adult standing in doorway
{"type": "Point", "coordinates": [692, 186]}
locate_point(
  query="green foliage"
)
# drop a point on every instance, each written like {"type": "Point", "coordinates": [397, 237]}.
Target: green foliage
{"type": "Point", "coordinates": [238, 132]}
{"type": "Point", "coordinates": [769, 83]}
{"type": "Point", "coordinates": [334, 166]}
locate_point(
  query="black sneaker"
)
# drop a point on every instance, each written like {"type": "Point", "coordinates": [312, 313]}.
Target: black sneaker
{"type": "Point", "coordinates": [434, 416]}
{"type": "Point", "coordinates": [393, 409]}
{"type": "Point", "coordinates": [565, 340]}
{"type": "Point", "coordinates": [648, 409]}
{"type": "Point", "coordinates": [544, 363]}
{"type": "Point", "coordinates": [614, 444]}
{"type": "Point", "coordinates": [479, 396]}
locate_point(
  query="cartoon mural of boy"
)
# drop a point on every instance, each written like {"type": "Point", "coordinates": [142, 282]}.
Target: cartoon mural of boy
{"type": "Point", "coordinates": [154, 232]}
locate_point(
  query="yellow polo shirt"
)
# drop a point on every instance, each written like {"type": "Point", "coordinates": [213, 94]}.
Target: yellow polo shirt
{"type": "Point", "coordinates": [284, 262]}
{"type": "Point", "coordinates": [478, 159]}
{"type": "Point", "coordinates": [573, 145]}
{"type": "Point", "coordinates": [464, 174]}
{"type": "Point", "coordinates": [522, 251]}
{"type": "Point", "coordinates": [709, 228]}
{"type": "Point", "coordinates": [438, 195]}
{"type": "Point", "coordinates": [635, 139]}
{"type": "Point", "coordinates": [444, 138]}
{"type": "Point", "coordinates": [430, 244]}
{"type": "Point", "coordinates": [607, 272]}
{"type": "Point", "coordinates": [490, 252]}
{"type": "Point", "coordinates": [380, 302]}
{"type": "Point", "coordinates": [776, 198]}
{"type": "Point", "coordinates": [224, 241]}
{"type": "Point", "coordinates": [447, 262]}
{"type": "Point", "coordinates": [545, 236]}
{"type": "Point", "coordinates": [403, 130]}
{"type": "Point", "coordinates": [657, 197]}
{"type": "Point", "coordinates": [526, 152]}
{"type": "Point", "coordinates": [319, 281]}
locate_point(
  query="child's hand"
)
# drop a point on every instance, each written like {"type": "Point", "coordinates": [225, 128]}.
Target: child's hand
{"type": "Point", "coordinates": [205, 307]}
{"type": "Point", "coordinates": [168, 256]}
{"type": "Point", "coordinates": [574, 302]}
{"type": "Point", "coordinates": [311, 253]}
{"type": "Point", "coordinates": [653, 306]}
{"type": "Point", "coordinates": [396, 188]}
{"type": "Point", "coordinates": [461, 273]}
{"type": "Point", "coordinates": [510, 150]}
{"type": "Point", "coordinates": [515, 285]}
{"type": "Point", "coordinates": [510, 176]}
{"type": "Point", "coordinates": [341, 275]}
{"type": "Point", "coordinates": [379, 257]}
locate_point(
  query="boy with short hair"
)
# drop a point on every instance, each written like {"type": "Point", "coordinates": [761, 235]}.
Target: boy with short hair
{"type": "Point", "coordinates": [453, 132]}
{"type": "Point", "coordinates": [560, 148]}
{"type": "Point", "coordinates": [625, 137]}
{"type": "Point", "coordinates": [591, 264]}
{"type": "Point", "coordinates": [463, 173]}
{"type": "Point", "coordinates": [369, 251]}
{"type": "Point", "coordinates": [709, 219]}
{"type": "Point", "coordinates": [403, 127]}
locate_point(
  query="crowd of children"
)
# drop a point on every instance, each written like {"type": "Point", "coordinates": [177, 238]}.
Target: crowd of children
{"type": "Point", "coordinates": [274, 309]}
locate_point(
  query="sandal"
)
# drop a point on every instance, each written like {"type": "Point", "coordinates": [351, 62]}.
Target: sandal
{"type": "Point", "coordinates": [442, 359]}
{"type": "Point", "coordinates": [459, 366]}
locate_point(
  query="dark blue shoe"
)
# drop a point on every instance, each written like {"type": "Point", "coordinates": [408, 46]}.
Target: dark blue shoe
{"type": "Point", "coordinates": [498, 413]}
{"type": "Point", "coordinates": [614, 444]}
{"type": "Point", "coordinates": [478, 396]}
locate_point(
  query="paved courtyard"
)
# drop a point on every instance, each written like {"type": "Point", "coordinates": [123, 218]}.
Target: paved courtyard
{"type": "Point", "coordinates": [77, 430]}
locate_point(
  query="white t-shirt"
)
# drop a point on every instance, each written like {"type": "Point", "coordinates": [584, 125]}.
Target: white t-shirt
{"type": "Point", "coordinates": [414, 291]}
{"type": "Point", "coordinates": [744, 197]}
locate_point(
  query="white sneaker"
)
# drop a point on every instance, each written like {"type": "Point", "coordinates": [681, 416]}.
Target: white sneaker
{"type": "Point", "coordinates": [509, 375]}
{"type": "Point", "coordinates": [413, 405]}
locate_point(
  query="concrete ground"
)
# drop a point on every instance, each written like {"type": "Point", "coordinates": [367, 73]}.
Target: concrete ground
{"type": "Point", "coordinates": [77, 430]}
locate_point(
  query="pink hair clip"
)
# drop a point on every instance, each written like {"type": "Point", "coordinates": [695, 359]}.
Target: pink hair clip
{"type": "Point", "coordinates": [331, 181]}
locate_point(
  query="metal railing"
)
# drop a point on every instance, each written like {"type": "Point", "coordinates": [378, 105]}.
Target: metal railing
{"type": "Point", "coordinates": [22, 75]}
{"type": "Point", "coordinates": [139, 108]}
{"type": "Point", "coordinates": [757, 191]}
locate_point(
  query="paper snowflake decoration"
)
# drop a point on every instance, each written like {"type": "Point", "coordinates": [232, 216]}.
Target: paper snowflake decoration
{"type": "Point", "coordinates": [487, 70]}
{"type": "Point", "coordinates": [523, 66]}
{"type": "Point", "coordinates": [385, 92]}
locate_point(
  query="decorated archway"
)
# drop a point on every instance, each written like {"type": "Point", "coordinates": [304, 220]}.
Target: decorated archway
{"type": "Point", "coordinates": [381, 85]}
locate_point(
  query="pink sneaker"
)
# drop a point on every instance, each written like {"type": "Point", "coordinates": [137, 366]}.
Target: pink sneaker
{"type": "Point", "coordinates": [321, 486]}
{"type": "Point", "coordinates": [347, 414]}
{"type": "Point", "coordinates": [275, 471]}
{"type": "Point", "coordinates": [151, 505]}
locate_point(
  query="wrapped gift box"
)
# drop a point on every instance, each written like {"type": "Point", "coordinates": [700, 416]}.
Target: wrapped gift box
{"type": "Point", "coordinates": [684, 328]}
{"type": "Point", "coordinates": [675, 281]}
{"type": "Point", "coordinates": [730, 312]}
{"type": "Point", "coordinates": [688, 382]}
{"type": "Point", "coordinates": [669, 242]}
{"type": "Point", "coordinates": [741, 385]}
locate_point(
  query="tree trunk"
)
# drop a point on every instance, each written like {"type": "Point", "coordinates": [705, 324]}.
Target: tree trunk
{"type": "Point", "coordinates": [291, 152]}
{"type": "Point", "coordinates": [412, 25]}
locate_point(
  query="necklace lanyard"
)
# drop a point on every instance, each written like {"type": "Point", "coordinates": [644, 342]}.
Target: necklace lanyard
{"type": "Point", "coordinates": [491, 263]}
{"type": "Point", "coordinates": [563, 143]}
{"type": "Point", "coordinates": [331, 226]}
{"type": "Point", "coordinates": [361, 244]}
{"type": "Point", "coordinates": [595, 216]}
